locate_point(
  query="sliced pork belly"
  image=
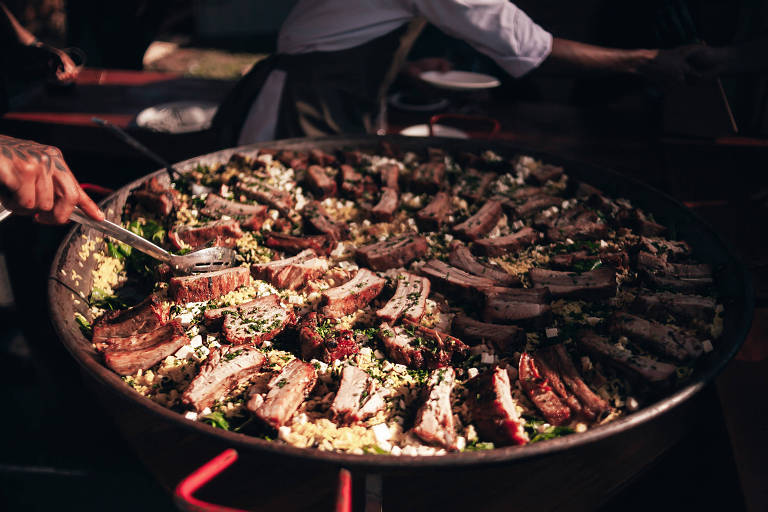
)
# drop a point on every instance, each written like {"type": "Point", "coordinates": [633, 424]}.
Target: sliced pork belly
{"type": "Point", "coordinates": [508, 244]}
{"type": "Point", "coordinates": [534, 205]}
{"type": "Point", "coordinates": [356, 400]}
{"type": "Point", "coordinates": [384, 211]}
{"type": "Point", "coordinates": [320, 182]}
{"type": "Point", "coordinates": [473, 184]}
{"type": "Point", "coordinates": [156, 198]}
{"type": "Point", "coordinates": [260, 320]}
{"type": "Point", "coordinates": [454, 282]}
{"type": "Point", "coordinates": [433, 216]}
{"type": "Point", "coordinates": [144, 317]}
{"type": "Point", "coordinates": [256, 189]}
{"type": "Point", "coordinates": [286, 393]}
{"type": "Point", "coordinates": [223, 232]}
{"type": "Point", "coordinates": [390, 174]}
{"type": "Point", "coordinates": [207, 286]}
{"type": "Point", "coordinates": [493, 410]}
{"type": "Point", "coordinates": [644, 367]}
{"type": "Point", "coordinates": [126, 356]}
{"type": "Point", "coordinates": [679, 277]}
{"type": "Point", "coordinates": [667, 340]}
{"type": "Point", "coordinates": [397, 251]}
{"type": "Point", "coordinates": [249, 216]}
{"type": "Point", "coordinates": [420, 347]}
{"type": "Point", "coordinates": [326, 343]}
{"type": "Point", "coordinates": [321, 244]}
{"type": "Point", "coordinates": [509, 309]}
{"type": "Point", "coordinates": [428, 177]}
{"type": "Point", "coordinates": [505, 338]}
{"type": "Point", "coordinates": [539, 390]}
{"type": "Point", "coordinates": [593, 285]}
{"type": "Point", "coordinates": [351, 182]}
{"type": "Point", "coordinates": [663, 304]}
{"type": "Point", "coordinates": [481, 223]}
{"type": "Point", "coordinates": [352, 295]}
{"type": "Point", "coordinates": [434, 419]}
{"type": "Point", "coordinates": [544, 173]}
{"type": "Point", "coordinates": [226, 369]}
{"type": "Point", "coordinates": [409, 300]}
{"type": "Point", "coordinates": [294, 272]}
{"type": "Point", "coordinates": [461, 257]}
{"type": "Point", "coordinates": [316, 216]}
{"type": "Point", "coordinates": [591, 406]}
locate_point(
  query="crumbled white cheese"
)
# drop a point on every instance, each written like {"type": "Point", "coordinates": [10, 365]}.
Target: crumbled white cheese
{"type": "Point", "coordinates": [551, 332]}
{"type": "Point", "coordinates": [487, 358]}
{"type": "Point", "coordinates": [381, 432]}
{"type": "Point", "coordinates": [461, 443]}
{"type": "Point", "coordinates": [593, 320]}
{"type": "Point", "coordinates": [185, 352]}
{"type": "Point", "coordinates": [190, 415]}
{"type": "Point", "coordinates": [196, 341]}
{"type": "Point", "coordinates": [283, 433]}
{"type": "Point", "coordinates": [707, 346]}
{"type": "Point", "coordinates": [518, 225]}
{"type": "Point", "coordinates": [205, 411]}
{"type": "Point", "coordinates": [568, 241]}
{"type": "Point", "coordinates": [632, 403]}
{"type": "Point", "coordinates": [396, 450]}
{"type": "Point", "coordinates": [472, 373]}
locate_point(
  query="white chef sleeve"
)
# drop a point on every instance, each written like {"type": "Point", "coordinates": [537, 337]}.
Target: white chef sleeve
{"type": "Point", "coordinates": [497, 28]}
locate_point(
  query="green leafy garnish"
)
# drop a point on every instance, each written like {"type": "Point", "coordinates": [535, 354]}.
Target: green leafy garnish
{"type": "Point", "coordinates": [84, 324]}
{"type": "Point", "coordinates": [475, 446]}
{"type": "Point", "coordinates": [104, 300]}
{"type": "Point", "coordinates": [216, 420]}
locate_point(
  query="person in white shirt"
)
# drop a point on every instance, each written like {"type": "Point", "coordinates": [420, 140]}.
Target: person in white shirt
{"type": "Point", "coordinates": [335, 60]}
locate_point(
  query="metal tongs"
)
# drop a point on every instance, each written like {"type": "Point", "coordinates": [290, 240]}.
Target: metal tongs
{"type": "Point", "coordinates": [208, 259]}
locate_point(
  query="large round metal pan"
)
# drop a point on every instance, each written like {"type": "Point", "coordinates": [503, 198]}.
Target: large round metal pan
{"type": "Point", "coordinates": [71, 280]}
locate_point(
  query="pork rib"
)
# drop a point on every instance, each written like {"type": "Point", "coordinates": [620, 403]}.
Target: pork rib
{"type": "Point", "coordinates": [540, 391]}
{"type": "Point", "coordinates": [508, 244]}
{"type": "Point", "coordinates": [461, 257]}
{"type": "Point", "coordinates": [644, 367]}
{"type": "Point", "coordinates": [138, 352]}
{"type": "Point", "coordinates": [394, 252]}
{"type": "Point", "coordinates": [493, 409]}
{"type": "Point", "coordinates": [505, 338]}
{"type": "Point", "coordinates": [286, 393]}
{"type": "Point", "coordinates": [592, 285]}
{"type": "Point", "coordinates": [434, 419]}
{"type": "Point", "coordinates": [356, 400]}
{"type": "Point", "coordinates": [669, 340]}
{"type": "Point", "coordinates": [433, 216]}
{"type": "Point", "coordinates": [409, 300]}
{"type": "Point", "coordinates": [207, 286]}
{"type": "Point", "coordinates": [292, 273]}
{"type": "Point", "coordinates": [352, 295]}
{"type": "Point", "coordinates": [257, 321]}
{"type": "Point", "coordinates": [482, 222]}
{"type": "Point", "coordinates": [224, 370]}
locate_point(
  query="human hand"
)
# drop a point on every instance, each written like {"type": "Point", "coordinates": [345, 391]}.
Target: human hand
{"type": "Point", "coordinates": [415, 68]}
{"type": "Point", "coordinates": [58, 65]}
{"type": "Point", "coordinates": [672, 66]}
{"type": "Point", "coordinates": [36, 180]}
{"type": "Point", "coordinates": [708, 62]}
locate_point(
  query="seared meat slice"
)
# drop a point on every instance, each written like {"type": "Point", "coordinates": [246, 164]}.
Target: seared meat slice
{"type": "Point", "coordinates": [287, 391]}
{"type": "Point", "coordinates": [256, 189]}
{"type": "Point", "coordinates": [667, 249]}
{"type": "Point", "coordinates": [224, 232]}
{"type": "Point", "coordinates": [435, 214]}
{"type": "Point", "coordinates": [663, 304]}
{"type": "Point", "coordinates": [544, 173]}
{"type": "Point", "coordinates": [534, 205]}
{"type": "Point", "coordinates": [356, 399]}
{"type": "Point", "coordinates": [507, 244]}
{"type": "Point", "coordinates": [321, 244]}
{"type": "Point", "coordinates": [461, 257]}
{"type": "Point", "coordinates": [316, 216]}
{"type": "Point", "coordinates": [320, 183]}
{"type": "Point", "coordinates": [644, 225]}
{"type": "Point", "coordinates": [580, 261]}
{"type": "Point", "coordinates": [292, 158]}
{"type": "Point", "coordinates": [419, 347]}
{"type": "Point", "coordinates": [531, 295]}
{"type": "Point", "coordinates": [428, 177]}
{"type": "Point", "coordinates": [144, 317]}
{"type": "Point", "coordinates": [493, 409]}
{"type": "Point", "coordinates": [384, 210]}
{"type": "Point", "coordinates": [156, 198]}
{"type": "Point", "coordinates": [592, 285]}
{"type": "Point", "coordinates": [259, 320]}
{"type": "Point", "coordinates": [126, 356]}
{"type": "Point", "coordinates": [668, 340]}
{"type": "Point", "coordinates": [591, 406]}
{"type": "Point", "coordinates": [351, 182]}
{"type": "Point", "coordinates": [505, 338]}
{"type": "Point", "coordinates": [473, 184]}
{"type": "Point", "coordinates": [356, 158]}
{"type": "Point", "coordinates": [507, 308]}
{"type": "Point", "coordinates": [539, 390]}
{"type": "Point", "coordinates": [390, 173]}
{"type": "Point", "coordinates": [586, 230]}
{"type": "Point", "coordinates": [482, 222]}
{"type": "Point", "coordinates": [454, 282]}
{"type": "Point", "coordinates": [409, 300]}
{"type": "Point", "coordinates": [352, 295]}
{"type": "Point", "coordinates": [326, 343]}
{"type": "Point", "coordinates": [644, 367]}
{"type": "Point", "coordinates": [394, 252]}
{"type": "Point", "coordinates": [250, 216]}
{"type": "Point", "coordinates": [207, 286]}
{"type": "Point", "coordinates": [434, 419]}
{"type": "Point", "coordinates": [226, 369]}
{"type": "Point", "coordinates": [320, 157]}
{"type": "Point", "coordinates": [294, 272]}
{"type": "Point", "coordinates": [676, 276]}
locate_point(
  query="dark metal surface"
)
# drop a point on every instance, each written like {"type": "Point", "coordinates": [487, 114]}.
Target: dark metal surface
{"type": "Point", "coordinates": [733, 282]}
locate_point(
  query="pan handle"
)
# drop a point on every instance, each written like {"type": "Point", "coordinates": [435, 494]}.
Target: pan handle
{"type": "Point", "coordinates": [184, 498]}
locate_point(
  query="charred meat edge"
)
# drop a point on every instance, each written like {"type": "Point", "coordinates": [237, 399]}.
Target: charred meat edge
{"type": "Point", "coordinates": [286, 393]}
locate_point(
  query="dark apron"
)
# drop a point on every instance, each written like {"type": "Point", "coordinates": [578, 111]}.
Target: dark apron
{"type": "Point", "coordinates": [325, 93]}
